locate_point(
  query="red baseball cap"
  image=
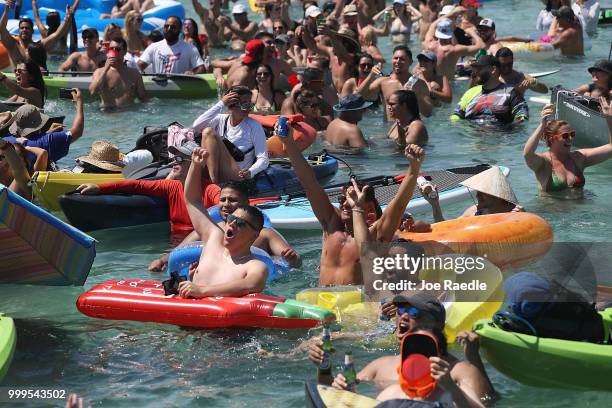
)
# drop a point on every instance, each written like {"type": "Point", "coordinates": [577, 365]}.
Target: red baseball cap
{"type": "Point", "coordinates": [472, 3]}
{"type": "Point", "coordinates": [252, 50]}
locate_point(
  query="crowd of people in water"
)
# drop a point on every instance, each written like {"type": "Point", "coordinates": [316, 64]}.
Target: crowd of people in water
{"type": "Point", "coordinates": [328, 67]}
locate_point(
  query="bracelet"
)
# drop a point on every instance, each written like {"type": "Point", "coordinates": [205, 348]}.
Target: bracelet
{"type": "Point", "coordinates": [357, 210]}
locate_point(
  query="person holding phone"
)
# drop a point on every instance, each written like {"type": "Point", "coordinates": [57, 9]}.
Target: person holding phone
{"type": "Point", "coordinates": [236, 143]}
{"type": "Point", "coordinates": [115, 83]}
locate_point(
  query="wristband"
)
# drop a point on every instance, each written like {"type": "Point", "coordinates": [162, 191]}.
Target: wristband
{"type": "Point", "coordinates": [357, 210]}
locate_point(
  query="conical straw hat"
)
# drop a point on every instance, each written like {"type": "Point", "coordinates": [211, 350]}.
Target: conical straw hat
{"type": "Point", "coordinates": [492, 182]}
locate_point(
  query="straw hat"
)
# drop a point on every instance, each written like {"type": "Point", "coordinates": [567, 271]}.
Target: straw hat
{"type": "Point", "coordinates": [6, 118]}
{"type": "Point", "coordinates": [492, 182]}
{"type": "Point", "coordinates": [104, 155]}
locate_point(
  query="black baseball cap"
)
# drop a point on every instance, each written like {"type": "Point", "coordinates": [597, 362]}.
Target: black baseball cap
{"type": "Point", "coordinates": [601, 65]}
{"type": "Point", "coordinates": [425, 302]}
{"type": "Point", "coordinates": [565, 12]}
{"type": "Point", "coordinates": [486, 61]}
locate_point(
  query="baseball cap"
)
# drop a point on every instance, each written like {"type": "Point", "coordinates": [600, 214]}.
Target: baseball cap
{"type": "Point", "coordinates": [312, 11]}
{"type": "Point", "coordinates": [238, 9]}
{"type": "Point", "coordinates": [471, 3]}
{"type": "Point", "coordinates": [487, 22]}
{"type": "Point", "coordinates": [402, 2]}
{"type": "Point", "coordinates": [252, 49]}
{"type": "Point", "coordinates": [601, 65]}
{"type": "Point", "coordinates": [444, 30]}
{"type": "Point", "coordinates": [424, 302]}
{"type": "Point", "coordinates": [350, 10]}
{"type": "Point", "coordinates": [486, 61]}
{"type": "Point", "coordinates": [428, 55]}
{"type": "Point", "coordinates": [564, 12]}
{"type": "Point", "coordinates": [446, 10]}
{"type": "Point", "coordinates": [282, 38]}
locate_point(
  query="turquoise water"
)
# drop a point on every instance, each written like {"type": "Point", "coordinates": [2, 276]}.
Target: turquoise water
{"type": "Point", "coordinates": [123, 364]}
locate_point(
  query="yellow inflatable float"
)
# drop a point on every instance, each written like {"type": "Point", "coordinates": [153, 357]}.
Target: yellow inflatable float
{"type": "Point", "coordinates": [508, 239]}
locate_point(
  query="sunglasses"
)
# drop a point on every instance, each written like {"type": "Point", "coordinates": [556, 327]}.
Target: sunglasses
{"type": "Point", "coordinates": [240, 222]}
{"type": "Point", "coordinates": [188, 25]}
{"type": "Point", "coordinates": [263, 74]}
{"type": "Point", "coordinates": [412, 311]}
{"type": "Point", "coordinates": [181, 160]}
{"type": "Point", "coordinates": [116, 49]}
{"type": "Point", "coordinates": [366, 65]}
{"type": "Point", "coordinates": [171, 27]}
{"type": "Point", "coordinates": [565, 135]}
{"type": "Point", "coordinates": [311, 105]}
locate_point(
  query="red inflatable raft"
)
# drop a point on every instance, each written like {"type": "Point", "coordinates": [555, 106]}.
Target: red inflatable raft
{"type": "Point", "coordinates": [276, 147]}
{"type": "Point", "coordinates": [144, 301]}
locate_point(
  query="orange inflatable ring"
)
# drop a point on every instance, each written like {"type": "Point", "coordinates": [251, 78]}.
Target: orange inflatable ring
{"type": "Point", "coordinates": [508, 240]}
{"type": "Point", "coordinates": [5, 61]}
{"type": "Point", "coordinates": [276, 147]}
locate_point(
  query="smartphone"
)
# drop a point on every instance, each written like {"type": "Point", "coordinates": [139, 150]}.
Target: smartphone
{"type": "Point", "coordinates": [66, 93]}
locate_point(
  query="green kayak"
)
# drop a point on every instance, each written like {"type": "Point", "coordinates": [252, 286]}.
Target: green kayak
{"type": "Point", "coordinates": [158, 86]}
{"type": "Point", "coordinates": [8, 340]}
{"type": "Point", "coordinates": [544, 362]}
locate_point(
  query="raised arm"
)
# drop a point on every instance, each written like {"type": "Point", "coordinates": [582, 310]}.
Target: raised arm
{"type": "Point", "coordinates": [62, 30]}
{"type": "Point", "coordinates": [370, 87]}
{"type": "Point", "coordinates": [310, 42]}
{"type": "Point", "coordinates": [78, 124]}
{"type": "Point", "coordinates": [193, 195]}
{"type": "Point", "coordinates": [200, 10]}
{"type": "Point", "coordinates": [600, 154]}
{"type": "Point", "coordinates": [356, 199]}
{"type": "Point", "coordinates": [21, 177]}
{"type": "Point", "coordinates": [7, 39]}
{"type": "Point", "coordinates": [41, 27]}
{"type": "Point", "coordinates": [535, 161]}
{"type": "Point", "coordinates": [389, 222]}
{"type": "Point", "coordinates": [325, 212]}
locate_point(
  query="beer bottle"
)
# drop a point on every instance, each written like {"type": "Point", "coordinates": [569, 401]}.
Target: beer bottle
{"type": "Point", "coordinates": [349, 371]}
{"type": "Point", "coordinates": [324, 374]}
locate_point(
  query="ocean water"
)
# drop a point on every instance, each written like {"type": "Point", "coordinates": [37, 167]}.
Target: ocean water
{"type": "Point", "coordinates": [125, 364]}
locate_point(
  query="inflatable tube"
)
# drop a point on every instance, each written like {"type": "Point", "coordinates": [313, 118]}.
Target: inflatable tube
{"type": "Point", "coordinates": [144, 301]}
{"type": "Point", "coordinates": [545, 362]}
{"type": "Point", "coordinates": [5, 61]}
{"type": "Point", "coordinates": [8, 341]}
{"type": "Point", "coordinates": [532, 50]}
{"type": "Point", "coordinates": [276, 147]}
{"type": "Point", "coordinates": [181, 257]}
{"type": "Point", "coordinates": [508, 239]}
{"type": "Point", "coordinates": [254, 7]}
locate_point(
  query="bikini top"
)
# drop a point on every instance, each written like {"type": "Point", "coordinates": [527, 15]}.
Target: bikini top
{"type": "Point", "coordinates": [557, 184]}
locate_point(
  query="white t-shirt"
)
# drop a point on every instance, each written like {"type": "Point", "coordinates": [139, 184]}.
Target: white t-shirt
{"type": "Point", "coordinates": [175, 59]}
{"type": "Point", "coordinates": [588, 14]}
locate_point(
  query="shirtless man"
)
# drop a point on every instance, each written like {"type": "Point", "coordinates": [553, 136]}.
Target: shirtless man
{"type": "Point", "coordinates": [117, 84]}
{"type": "Point", "coordinates": [209, 17]}
{"type": "Point", "coordinates": [241, 31]}
{"type": "Point", "coordinates": [400, 78]}
{"type": "Point", "coordinates": [342, 61]}
{"type": "Point", "coordinates": [569, 35]}
{"type": "Point", "coordinates": [242, 70]}
{"type": "Point", "coordinates": [312, 80]}
{"type": "Point", "coordinates": [439, 39]}
{"type": "Point", "coordinates": [469, 376]}
{"type": "Point", "coordinates": [519, 80]}
{"type": "Point", "coordinates": [90, 59]}
{"type": "Point", "coordinates": [344, 130]}
{"type": "Point", "coordinates": [486, 31]}
{"type": "Point", "coordinates": [340, 254]}
{"type": "Point", "coordinates": [17, 47]}
{"type": "Point", "coordinates": [227, 267]}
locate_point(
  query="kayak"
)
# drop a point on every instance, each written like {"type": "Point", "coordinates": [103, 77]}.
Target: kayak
{"type": "Point", "coordinates": [533, 74]}
{"type": "Point", "coordinates": [507, 239]}
{"type": "Point", "coordinates": [37, 248]}
{"type": "Point", "coordinates": [296, 213]}
{"type": "Point", "coordinates": [279, 178]}
{"type": "Point", "coordinates": [605, 16]}
{"type": "Point", "coordinates": [8, 342]}
{"type": "Point", "coordinates": [144, 301]}
{"type": "Point", "coordinates": [583, 115]}
{"type": "Point", "coordinates": [545, 362]}
{"type": "Point", "coordinates": [160, 86]}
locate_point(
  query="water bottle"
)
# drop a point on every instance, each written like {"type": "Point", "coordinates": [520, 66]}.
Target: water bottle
{"type": "Point", "coordinates": [282, 129]}
{"type": "Point", "coordinates": [349, 371]}
{"type": "Point", "coordinates": [426, 188]}
{"type": "Point", "coordinates": [324, 374]}
{"type": "Point", "coordinates": [413, 80]}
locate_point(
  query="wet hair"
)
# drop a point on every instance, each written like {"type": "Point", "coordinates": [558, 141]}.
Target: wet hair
{"type": "Point", "coordinates": [240, 90]}
{"type": "Point", "coordinates": [409, 98]}
{"type": "Point", "coordinates": [26, 20]}
{"type": "Point", "coordinates": [403, 48]}
{"type": "Point", "coordinates": [312, 73]}
{"type": "Point", "coordinates": [38, 54]}
{"type": "Point", "coordinates": [121, 41]}
{"type": "Point", "coordinates": [238, 186]}
{"type": "Point", "coordinates": [53, 21]}
{"type": "Point", "coordinates": [255, 214]}
{"type": "Point", "coordinates": [90, 32]}
{"type": "Point", "coordinates": [437, 332]}
{"type": "Point", "coordinates": [552, 128]}
{"type": "Point", "coordinates": [36, 76]}
{"type": "Point", "coordinates": [370, 195]}
{"type": "Point", "coordinates": [369, 36]}
{"type": "Point", "coordinates": [504, 52]}
{"type": "Point", "coordinates": [196, 36]}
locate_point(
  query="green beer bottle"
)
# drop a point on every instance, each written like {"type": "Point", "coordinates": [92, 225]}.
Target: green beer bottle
{"type": "Point", "coordinates": [480, 53]}
{"type": "Point", "coordinates": [324, 374]}
{"type": "Point", "coordinates": [349, 371]}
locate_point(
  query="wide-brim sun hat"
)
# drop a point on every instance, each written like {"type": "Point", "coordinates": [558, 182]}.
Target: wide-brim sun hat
{"type": "Point", "coordinates": [28, 119]}
{"type": "Point", "coordinates": [492, 182]}
{"type": "Point", "coordinates": [6, 119]}
{"type": "Point", "coordinates": [104, 155]}
{"type": "Point", "coordinates": [352, 102]}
